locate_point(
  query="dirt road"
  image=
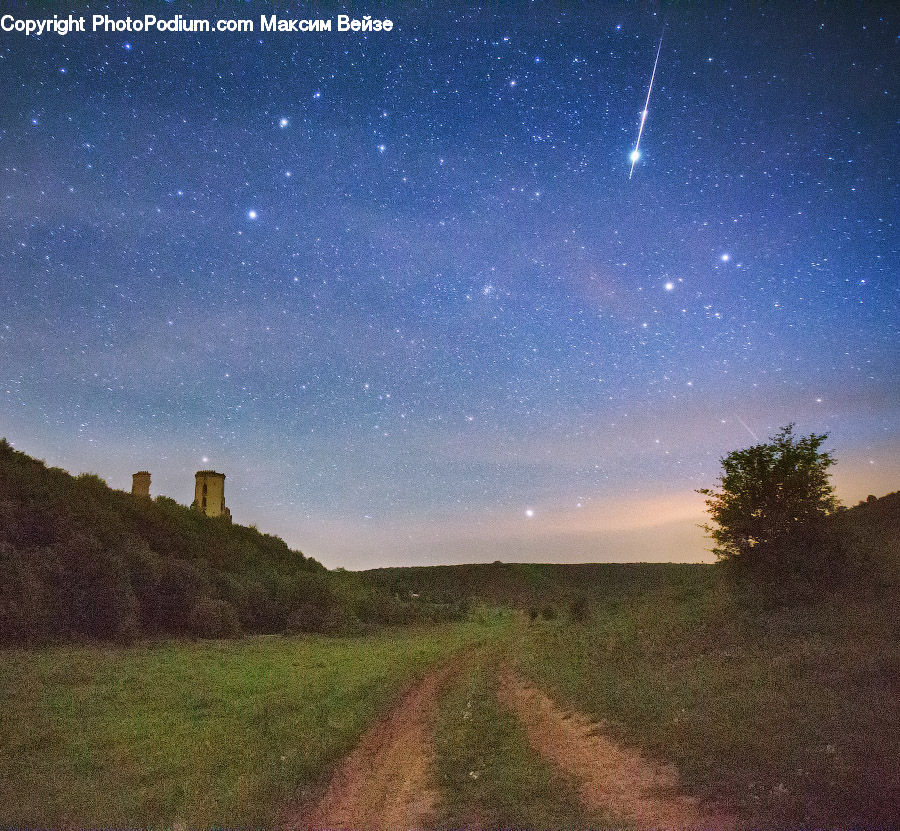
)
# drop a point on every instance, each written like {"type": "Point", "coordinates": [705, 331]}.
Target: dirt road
{"type": "Point", "coordinates": [612, 779]}
{"type": "Point", "coordinates": [385, 782]}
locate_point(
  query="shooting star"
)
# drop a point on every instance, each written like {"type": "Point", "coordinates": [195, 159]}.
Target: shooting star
{"type": "Point", "coordinates": [744, 425]}
{"type": "Point", "coordinates": [636, 153]}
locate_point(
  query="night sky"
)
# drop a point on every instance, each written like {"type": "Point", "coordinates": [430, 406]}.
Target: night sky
{"type": "Point", "coordinates": [400, 288]}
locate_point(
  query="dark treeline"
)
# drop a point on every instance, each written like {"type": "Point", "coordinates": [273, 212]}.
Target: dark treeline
{"type": "Point", "coordinates": [869, 535]}
{"type": "Point", "coordinates": [79, 559]}
{"type": "Point", "coordinates": [540, 587]}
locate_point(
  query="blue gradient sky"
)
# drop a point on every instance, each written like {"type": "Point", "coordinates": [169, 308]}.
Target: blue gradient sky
{"type": "Point", "coordinates": [400, 289]}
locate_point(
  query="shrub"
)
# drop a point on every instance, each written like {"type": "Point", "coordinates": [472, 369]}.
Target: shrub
{"type": "Point", "coordinates": [338, 621]}
{"type": "Point", "coordinates": [90, 589]}
{"type": "Point", "coordinates": [579, 609]}
{"type": "Point", "coordinates": [305, 617]}
{"type": "Point", "coordinates": [211, 618]}
{"type": "Point", "coordinates": [24, 615]}
{"type": "Point", "coordinates": [180, 586]}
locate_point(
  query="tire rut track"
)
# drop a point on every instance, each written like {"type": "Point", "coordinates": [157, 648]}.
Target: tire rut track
{"type": "Point", "coordinates": [613, 780]}
{"type": "Point", "coordinates": [386, 780]}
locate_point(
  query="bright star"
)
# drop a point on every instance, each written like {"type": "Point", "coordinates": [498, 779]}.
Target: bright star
{"type": "Point", "coordinates": [669, 286]}
{"type": "Point", "coordinates": [635, 155]}
{"type": "Point", "coordinates": [251, 214]}
{"type": "Point", "coordinates": [529, 512]}
{"type": "Point", "coordinates": [283, 123]}
{"type": "Point", "coordinates": [725, 258]}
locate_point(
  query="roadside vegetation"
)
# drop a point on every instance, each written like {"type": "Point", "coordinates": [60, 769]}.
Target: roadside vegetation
{"type": "Point", "coordinates": [488, 775]}
{"type": "Point", "coordinates": [785, 710]}
{"type": "Point", "coordinates": [789, 716]}
{"type": "Point", "coordinates": [210, 733]}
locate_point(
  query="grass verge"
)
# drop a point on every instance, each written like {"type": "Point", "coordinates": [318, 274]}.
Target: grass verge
{"type": "Point", "coordinates": [206, 733]}
{"type": "Point", "coordinates": [789, 715]}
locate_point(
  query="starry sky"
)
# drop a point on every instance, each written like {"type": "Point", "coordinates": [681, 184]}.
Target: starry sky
{"type": "Point", "coordinates": [400, 288]}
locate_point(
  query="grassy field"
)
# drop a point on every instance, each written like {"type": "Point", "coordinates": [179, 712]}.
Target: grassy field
{"type": "Point", "coordinates": [203, 733]}
{"type": "Point", "coordinates": [790, 716]}
{"type": "Point", "coordinates": [489, 777]}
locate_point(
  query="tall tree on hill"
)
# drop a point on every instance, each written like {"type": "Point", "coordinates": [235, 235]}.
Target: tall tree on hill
{"type": "Point", "coordinates": [769, 510]}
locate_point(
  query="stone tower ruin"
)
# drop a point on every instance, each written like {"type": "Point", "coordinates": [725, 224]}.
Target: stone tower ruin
{"type": "Point", "coordinates": [140, 484]}
{"type": "Point", "coordinates": [209, 494]}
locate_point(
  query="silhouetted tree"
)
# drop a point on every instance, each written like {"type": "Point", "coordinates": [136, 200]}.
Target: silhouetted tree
{"type": "Point", "coordinates": [771, 504]}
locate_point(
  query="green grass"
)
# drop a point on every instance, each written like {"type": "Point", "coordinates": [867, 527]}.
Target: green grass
{"type": "Point", "coordinates": [790, 715]}
{"type": "Point", "coordinates": [488, 775]}
{"type": "Point", "coordinates": [204, 733]}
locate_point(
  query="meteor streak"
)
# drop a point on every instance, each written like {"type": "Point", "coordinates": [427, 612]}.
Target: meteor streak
{"type": "Point", "coordinates": [744, 425]}
{"type": "Point", "coordinates": [636, 153]}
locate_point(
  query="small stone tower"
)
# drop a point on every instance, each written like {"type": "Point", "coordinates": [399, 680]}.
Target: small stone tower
{"type": "Point", "coordinates": [209, 494]}
{"type": "Point", "coordinates": [140, 484]}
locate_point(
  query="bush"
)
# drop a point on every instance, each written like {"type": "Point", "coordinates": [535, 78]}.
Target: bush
{"type": "Point", "coordinates": [214, 619]}
{"type": "Point", "coordinates": [338, 621]}
{"type": "Point", "coordinates": [91, 591]}
{"type": "Point", "coordinates": [24, 614]}
{"type": "Point", "coordinates": [180, 586]}
{"type": "Point", "coordinates": [579, 609]}
{"type": "Point", "coordinates": [769, 512]}
{"type": "Point", "coordinates": [305, 617]}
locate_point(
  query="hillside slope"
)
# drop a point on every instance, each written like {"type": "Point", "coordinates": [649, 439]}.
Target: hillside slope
{"type": "Point", "coordinates": [78, 558]}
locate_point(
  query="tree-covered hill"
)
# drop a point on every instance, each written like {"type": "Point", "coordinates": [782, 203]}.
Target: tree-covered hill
{"type": "Point", "coordinates": [78, 558]}
{"type": "Point", "coordinates": [869, 536]}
